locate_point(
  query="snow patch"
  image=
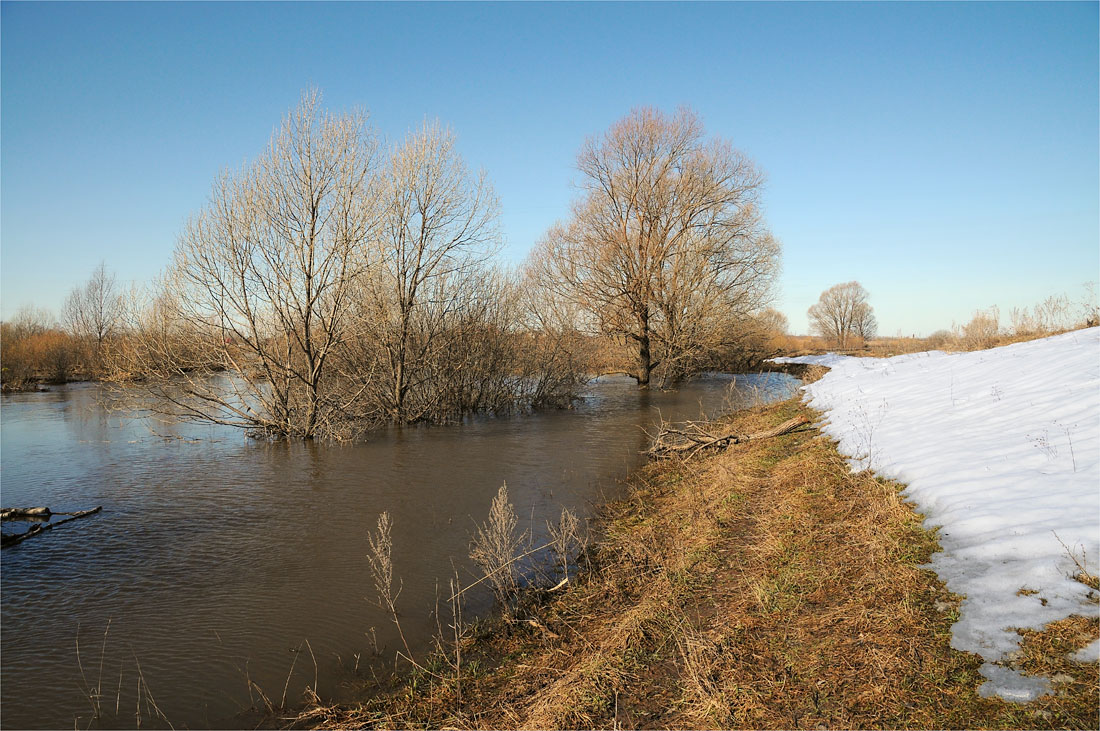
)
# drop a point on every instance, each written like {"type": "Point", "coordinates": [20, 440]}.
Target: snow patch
{"type": "Point", "coordinates": [1000, 449]}
{"type": "Point", "coordinates": [1088, 653]}
{"type": "Point", "coordinates": [1011, 685]}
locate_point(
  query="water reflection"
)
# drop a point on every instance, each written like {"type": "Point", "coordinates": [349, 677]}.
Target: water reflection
{"type": "Point", "coordinates": [216, 554]}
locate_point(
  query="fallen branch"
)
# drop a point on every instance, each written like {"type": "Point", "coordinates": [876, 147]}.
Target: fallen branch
{"type": "Point", "coordinates": [693, 437]}
{"type": "Point", "coordinates": [16, 513]}
{"type": "Point", "coordinates": [12, 539]}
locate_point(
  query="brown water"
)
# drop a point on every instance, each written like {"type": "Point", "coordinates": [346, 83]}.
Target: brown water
{"type": "Point", "coordinates": [215, 556]}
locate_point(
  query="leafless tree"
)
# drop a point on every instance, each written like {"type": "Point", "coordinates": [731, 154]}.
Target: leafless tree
{"type": "Point", "coordinates": [92, 313]}
{"type": "Point", "coordinates": [30, 320]}
{"type": "Point", "coordinates": [758, 338]}
{"type": "Point", "coordinates": [559, 356]}
{"type": "Point", "coordinates": [262, 279]}
{"type": "Point", "coordinates": [773, 322]}
{"type": "Point", "coordinates": [843, 313]}
{"type": "Point", "coordinates": [438, 228]}
{"type": "Point", "coordinates": [666, 246]}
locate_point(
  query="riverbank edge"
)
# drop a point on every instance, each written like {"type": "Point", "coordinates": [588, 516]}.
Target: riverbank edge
{"type": "Point", "coordinates": [766, 586]}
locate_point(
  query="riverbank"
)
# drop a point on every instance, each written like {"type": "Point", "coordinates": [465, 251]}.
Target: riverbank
{"type": "Point", "coordinates": [766, 586]}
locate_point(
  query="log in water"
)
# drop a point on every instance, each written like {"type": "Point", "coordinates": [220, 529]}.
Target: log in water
{"type": "Point", "coordinates": [11, 539]}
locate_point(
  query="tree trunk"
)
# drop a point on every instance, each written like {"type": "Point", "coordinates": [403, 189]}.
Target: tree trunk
{"type": "Point", "coordinates": [644, 358]}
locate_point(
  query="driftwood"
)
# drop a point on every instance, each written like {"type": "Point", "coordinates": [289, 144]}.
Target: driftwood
{"type": "Point", "coordinates": [693, 436]}
{"type": "Point", "coordinates": [11, 539]}
{"type": "Point", "coordinates": [16, 513]}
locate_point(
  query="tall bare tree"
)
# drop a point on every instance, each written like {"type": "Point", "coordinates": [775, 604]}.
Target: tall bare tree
{"type": "Point", "coordinates": [843, 313]}
{"type": "Point", "coordinates": [262, 280]}
{"type": "Point", "coordinates": [438, 228]}
{"type": "Point", "coordinates": [93, 312]}
{"type": "Point", "coordinates": [666, 246]}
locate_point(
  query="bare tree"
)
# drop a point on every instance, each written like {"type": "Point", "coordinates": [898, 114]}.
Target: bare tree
{"type": "Point", "coordinates": [438, 230]}
{"type": "Point", "coordinates": [92, 313]}
{"type": "Point", "coordinates": [666, 246]}
{"type": "Point", "coordinates": [773, 322]}
{"type": "Point", "coordinates": [30, 320]}
{"type": "Point", "coordinates": [262, 280]}
{"type": "Point", "coordinates": [758, 338]}
{"type": "Point", "coordinates": [843, 313]}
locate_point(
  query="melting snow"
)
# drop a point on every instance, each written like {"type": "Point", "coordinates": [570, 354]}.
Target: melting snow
{"type": "Point", "coordinates": [1088, 653]}
{"type": "Point", "coordinates": [1001, 449]}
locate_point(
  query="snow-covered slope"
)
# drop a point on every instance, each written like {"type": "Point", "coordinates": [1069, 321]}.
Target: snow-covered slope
{"type": "Point", "coordinates": [1001, 448]}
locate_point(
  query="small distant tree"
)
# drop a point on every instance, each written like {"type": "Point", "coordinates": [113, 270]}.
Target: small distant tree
{"type": "Point", "coordinates": [773, 322]}
{"type": "Point", "coordinates": [937, 340]}
{"type": "Point", "coordinates": [92, 313]}
{"type": "Point", "coordinates": [843, 313]}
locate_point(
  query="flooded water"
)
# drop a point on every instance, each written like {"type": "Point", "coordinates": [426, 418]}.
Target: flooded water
{"type": "Point", "coordinates": [216, 556]}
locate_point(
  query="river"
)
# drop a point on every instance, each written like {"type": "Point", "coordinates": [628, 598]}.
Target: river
{"type": "Point", "coordinates": [216, 556]}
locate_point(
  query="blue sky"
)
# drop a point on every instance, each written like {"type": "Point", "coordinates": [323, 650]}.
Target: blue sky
{"type": "Point", "coordinates": [945, 155]}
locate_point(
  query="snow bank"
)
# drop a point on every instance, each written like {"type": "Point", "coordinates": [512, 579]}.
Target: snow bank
{"type": "Point", "coordinates": [1001, 448]}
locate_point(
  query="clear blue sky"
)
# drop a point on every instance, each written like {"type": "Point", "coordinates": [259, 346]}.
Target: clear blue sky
{"type": "Point", "coordinates": [945, 155]}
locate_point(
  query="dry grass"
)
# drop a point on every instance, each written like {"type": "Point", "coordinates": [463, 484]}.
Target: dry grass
{"type": "Point", "coordinates": [979, 334]}
{"type": "Point", "coordinates": [762, 587]}
{"type": "Point", "coordinates": [497, 545]}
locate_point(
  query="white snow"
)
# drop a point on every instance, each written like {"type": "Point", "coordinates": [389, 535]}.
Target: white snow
{"type": "Point", "coordinates": [1088, 653]}
{"type": "Point", "coordinates": [1001, 449]}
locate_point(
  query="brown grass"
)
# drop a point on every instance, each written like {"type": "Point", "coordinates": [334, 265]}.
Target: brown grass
{"type": "Point", "coordinates": [762, 587]}
{"type": "Point", "coordinates": [886, 347]}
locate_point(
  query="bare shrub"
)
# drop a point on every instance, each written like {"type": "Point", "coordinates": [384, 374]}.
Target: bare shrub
{"type": "Point", "coordinates": [1089, 306]}
{"type": "Point", "coordinates": [938, 340]}
{"type": "Point", "coordinates": [758, 337]}
{"type": "Point", "coordinates": [1056, 313]}
{"type": "Point", "coordinates": [981, 332]}
{"type": "Point", "coordinates": [33, 347]}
